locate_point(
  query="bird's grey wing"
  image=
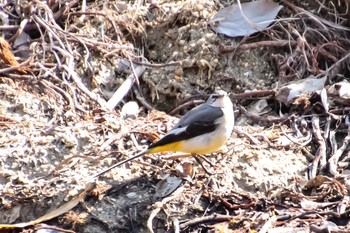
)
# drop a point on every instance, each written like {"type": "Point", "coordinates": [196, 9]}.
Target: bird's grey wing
{"type": "Point", "coordinates": [202, 114]}
{"type": "Point", "coordinates": [198, 121]}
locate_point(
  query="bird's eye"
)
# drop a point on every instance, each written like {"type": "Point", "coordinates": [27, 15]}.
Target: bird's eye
{"type": "Point", "coordinates": [214, 96]}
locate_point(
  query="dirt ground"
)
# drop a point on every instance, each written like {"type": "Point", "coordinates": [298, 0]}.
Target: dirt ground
{"type": "Point", "coordinates": [56, 131]}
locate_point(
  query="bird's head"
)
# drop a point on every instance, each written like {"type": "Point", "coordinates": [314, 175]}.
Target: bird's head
{"type": "Point", "coordinates": [219, 99]}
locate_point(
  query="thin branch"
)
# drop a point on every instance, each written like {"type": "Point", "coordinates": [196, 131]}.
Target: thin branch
{"type": "Point", "coordinates": [255, 45]}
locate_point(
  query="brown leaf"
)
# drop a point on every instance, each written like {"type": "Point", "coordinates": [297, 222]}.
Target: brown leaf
{"type": "Point", "coordinates": [7, 56]}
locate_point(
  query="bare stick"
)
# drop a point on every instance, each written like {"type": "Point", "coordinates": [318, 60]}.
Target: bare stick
{"type": "Point", "coordinates": [321, 152]}
{"type": "Point", "coordinates": [83, 88]}
{"type": "Point", "coordinates": [255, 117]}
{"type": "Point", "coordinates": [255, 45]}
{"type": "Point", "coordinates": [20, 29]}
{"type": "Point", "coordinates": [175, 63]}
{"type": "Point", "coordinates": [316, 18]}
{"type": "Point", "coordinates": [191, 102]}
{"type": "Point", "coordinates": [214, 217]}
{"type": "Point", "coordinates": [141, 99]}
{"type": "Point", "coordinates": [254, 94]}
{"type": "Point", "coordinates": [333, 161]}
{"type": "Point", "coordinates": [124, 88]}
{"type": "Point", "coordinates": [9, 27]}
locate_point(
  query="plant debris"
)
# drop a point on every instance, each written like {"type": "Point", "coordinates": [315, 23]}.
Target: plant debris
{"type": "Point", "coordinates": [245, 19]}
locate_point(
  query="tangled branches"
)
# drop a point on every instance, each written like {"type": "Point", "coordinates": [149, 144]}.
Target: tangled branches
{"type": "Point", "coordinates": [58, 52]}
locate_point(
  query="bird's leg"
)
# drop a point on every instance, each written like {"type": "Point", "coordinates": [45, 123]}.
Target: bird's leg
{"type": "Point", "coordinates": [202, 165]}
{"type": "Point", "coordinates": [206, 160]}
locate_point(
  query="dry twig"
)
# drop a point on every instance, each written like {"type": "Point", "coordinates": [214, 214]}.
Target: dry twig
{"type": "Point", "coordinates": [320, 157]}
{"type": "Point", "coordinates": [333, 161]}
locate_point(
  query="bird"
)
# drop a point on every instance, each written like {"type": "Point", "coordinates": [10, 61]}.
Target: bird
{"type": "Point", "coordinates": [202, 130]}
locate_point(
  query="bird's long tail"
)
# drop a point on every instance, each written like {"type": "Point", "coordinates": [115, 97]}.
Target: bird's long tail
{"type": "Point", "coordinates": [174, 146]}
{"type": "Point", "coordinates": [121, 163]}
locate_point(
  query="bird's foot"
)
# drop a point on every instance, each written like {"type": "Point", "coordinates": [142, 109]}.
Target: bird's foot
{"type": "Point", "coordinates": [197, 158]}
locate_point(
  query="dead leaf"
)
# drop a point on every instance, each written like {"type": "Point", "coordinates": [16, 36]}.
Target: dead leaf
{"type": "Point", "coordinates": [185, 170]}
{"type": "Point", "coordinates": [287, 94]}
{"type": "Point", "coordinates": [54, 213]}
{"type": "Point", "coordinates": [167, 185]}
{"type": "Point", "coordinates": [7, 56]}
{"type": "Point", "coordinates": [256, 16]}
{"type": "Point", "coordinates": [341, 89]}
{"type": "Point", "coordinates": [312, 205]}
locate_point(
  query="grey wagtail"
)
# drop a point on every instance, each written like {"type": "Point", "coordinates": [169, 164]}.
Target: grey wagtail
{"type": "Point", "coordinates": [202, 130]}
